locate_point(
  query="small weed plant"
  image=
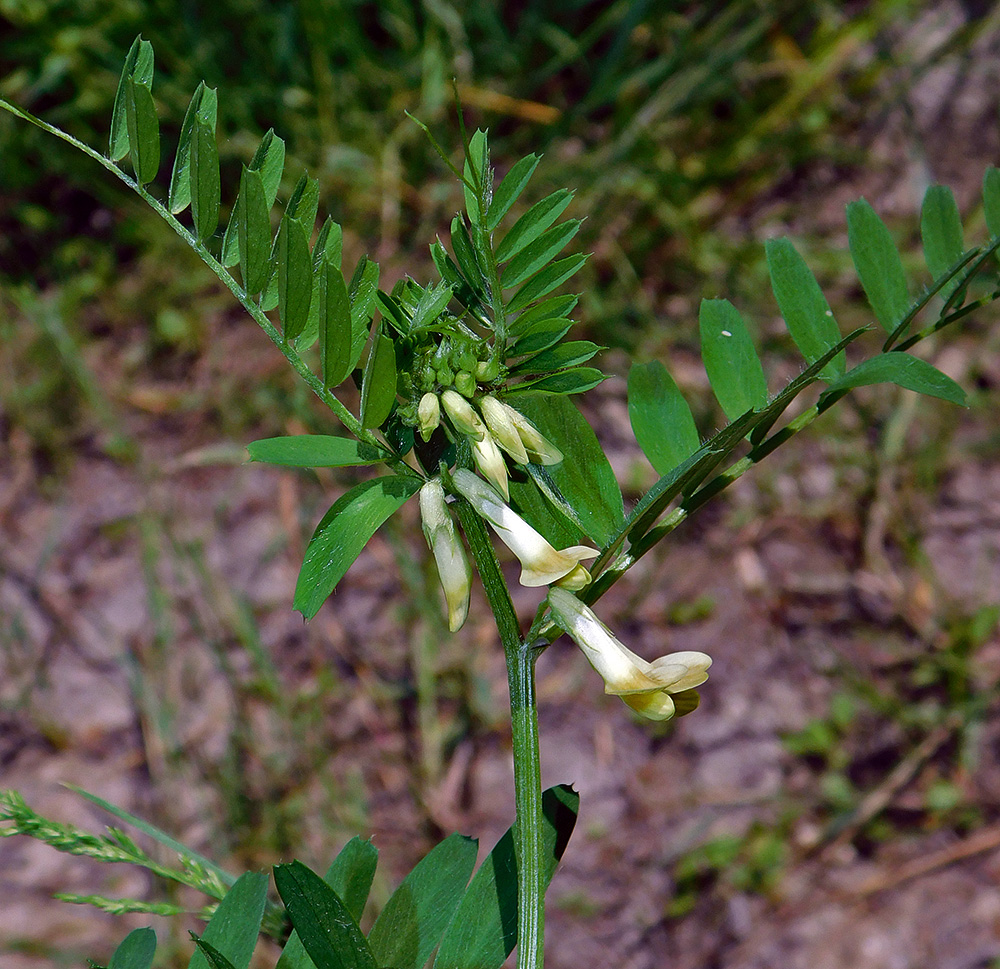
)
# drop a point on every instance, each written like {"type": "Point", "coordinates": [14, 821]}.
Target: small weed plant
{"type": "Point", "coordinates": [459, 393]}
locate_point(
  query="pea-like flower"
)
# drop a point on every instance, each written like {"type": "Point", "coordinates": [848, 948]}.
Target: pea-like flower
{"type": "Point", "coordinates": [541, 564]}
{"type": "Point", "coordinates": [517, 435]}
{"type": "Point", "coordinates": [428, 415]}
{"type": "Point", "coordinates": [658, 690]}
{"type": "Point", "coordinates": [449, 554]}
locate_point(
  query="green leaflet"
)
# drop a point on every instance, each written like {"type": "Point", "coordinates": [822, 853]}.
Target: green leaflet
{"type": "Point", "coordinates": [509, 189]}
{"type": "Point", "coordinates": [468, 261]}
{"type": "Point", "coordinates": [477, 171]}
{"type": "Point", "coordinates": [539, 336]}
{"type": "Point", "coordinates": [215, 958]}
{"type": "Point", "coordinates": [343, 533]}
{"type": "Point", "coordinates": [269, 160]}
{"type": "Point", "coordinates": [542, 283]}
{"type": "Point", "coordinates": [329, 243]}
{"type": "Point", "coordinates": [878, 264]}
{"type": "Point", "coordinates": [294, 276]}
{"type": "Point", "coordinates": [584, 476]}
{"type": "Point", "coordinates": [903, 370]}
{"type": "Point", "coordinates": [533, 223]}
{"type": "Point", "coordinates": [484, 930]}
{"type": "Point", "coordinates": [138, 62]}
{"type": "Point", "coordinates": [143, 128]}
{"type": "Point", "coordinates": [554, 306]}
{"type": "Point", "coordinates": [350, 876]}
{"type": "Point", "coordinates": [314, 451]}
{"type": "Point", "coordinates": [558, 357]}
{"type": "Point", "coordinates": [576, 381]}
{"type": "Point", "coordinates": [253, 231]}
{"type": "Point", "coordinates": [336, 333]}
{"type": "Point", "coordinates": [352, 873]}
{"type": "Point", "coordinates": [803, 305]}
{"type": "Point", "coordinates": [205, 188]}
{"type": "Point", "coordinates": [234, 927]}
{"type": "Point", "coordinates": [430, 305]}
{"type": "Point", "coordinates": [660, 416]}
{"type": "Point", "coordinates": [180, 177]}
{"type": "Point", "coordinates": [326, 928]}
{"type": "Point", "coordinates": [539, 253]}
{"type": "Point", "coordinates": [545, 515]}
{"type": "Point", "coordinates": [941, 233]}
{"type": "Point", "coordinates": [362, 291]}
{"type": "Point", "coordinates": [136, 951]}
{"type": "Point", "coordinates": [734, 369]}
{"type": "Point", "coordinates": [991, 200]}
{"type": "Point", "coordinates": [419, 911]}
{"type": "Point", "coordinates": [304, 202]}
{"type": "Point", "coordinates": [378, 385]}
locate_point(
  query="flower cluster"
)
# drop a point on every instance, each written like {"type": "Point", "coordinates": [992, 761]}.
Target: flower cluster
{"type": "Point", "coordinates": [496, 426]}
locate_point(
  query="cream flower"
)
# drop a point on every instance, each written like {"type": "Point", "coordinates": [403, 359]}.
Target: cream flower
{"type": "Point", "coordinates": [502, 427]}
{"type": "Point", "coordinates": [428, 415]}
{"type": "Point", "coordinates": [658, 690]}
{"type": "Point", "coordinates": [541, 564]}
{"type": "Point", "coordinates": [489, 460]}
{"type": "Point", "coordinates": [462, 415]}
{"type": "Point", "coordinates": [449, 554]}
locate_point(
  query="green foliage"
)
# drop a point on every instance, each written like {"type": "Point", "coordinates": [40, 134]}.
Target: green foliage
{"type": "Point", "coordinates": [343, 532]}
{"type": "Point", "coordinates": [234, 927]}
{"type": "Point", "coordinates": [136, 951]}
{"type": "Point", "coordinates": [484, 930]}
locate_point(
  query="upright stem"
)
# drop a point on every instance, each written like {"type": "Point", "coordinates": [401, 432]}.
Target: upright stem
{"type": "Point", "coordinates": [524, 731]}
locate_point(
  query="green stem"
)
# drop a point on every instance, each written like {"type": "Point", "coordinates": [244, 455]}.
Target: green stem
{"type": "Point", "coordinates": [524, 731]}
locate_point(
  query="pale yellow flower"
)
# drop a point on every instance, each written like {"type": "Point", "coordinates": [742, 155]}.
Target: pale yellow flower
{"type": "Point", "coordinates": [541, 564]}
{"type": "Point", "coordinates": [658, 690]}
{"type": "Point", "coordinates": [449, 554]}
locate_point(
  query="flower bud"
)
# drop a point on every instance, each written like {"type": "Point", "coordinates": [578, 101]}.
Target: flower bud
{"type": "Point", "coordinates": [487, 457]}
{"type": "Point", "coordinates": [465, 383]}
{"type": "Point", "coordinates": [449, 554]}
{"type": "Point", "coordinates": [428, 415]}
{"type": "Point", "coordinates": [502, 427]}
{"type": "Point", "coordinates": [461, 414]}
{"type": "Point", "coordinates": [539, 448]}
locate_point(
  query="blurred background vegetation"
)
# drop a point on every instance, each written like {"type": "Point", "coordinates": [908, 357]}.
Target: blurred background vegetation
{"type": "Point", "coordinates": [690, 132]}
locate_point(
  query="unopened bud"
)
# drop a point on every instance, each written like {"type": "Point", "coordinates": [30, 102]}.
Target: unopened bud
{"type": "Point", "coordinates": [502, 427]}
{"type": "Point", "coordinates": [461, 414]}
{"type": "Point", "coordinates": [465, 383]}
{"type": "Point", "coordinates": [428, 415]}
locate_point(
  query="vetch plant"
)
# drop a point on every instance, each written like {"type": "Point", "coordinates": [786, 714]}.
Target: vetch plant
{"type": "Point", "coordinates": [464, 399]}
